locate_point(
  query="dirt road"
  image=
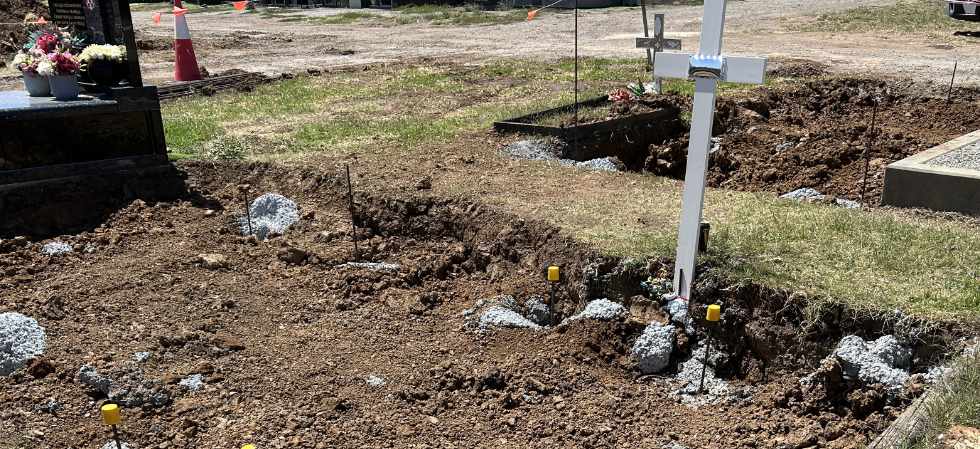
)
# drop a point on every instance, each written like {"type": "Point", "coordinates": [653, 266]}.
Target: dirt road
{"type": "Point", "coordinates": [763, 27]}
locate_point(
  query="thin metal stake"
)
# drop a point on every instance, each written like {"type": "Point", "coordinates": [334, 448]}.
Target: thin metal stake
{"type": "Point", "coordinates": [704, 364]}
{"type": "Point", "coordinates": [867, 151]}
{"type": "Point", "coordinates": [115, 436]}
{"type": "Point", "coordinates": [248, 213]}
{"type": "Point", "coordinates": [353, 225]}
{"type": "Point", "coordinates": [950, 91]}
{"type": "Point", "coordinates": [576, 125]}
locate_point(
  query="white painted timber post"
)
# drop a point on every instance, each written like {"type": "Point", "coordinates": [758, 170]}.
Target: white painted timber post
{"type": "Point", "coordinates": [707, 68]}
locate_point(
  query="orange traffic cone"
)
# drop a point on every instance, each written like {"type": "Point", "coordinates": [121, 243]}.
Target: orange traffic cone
{"type": "Point", "coordinates": [185, 63]}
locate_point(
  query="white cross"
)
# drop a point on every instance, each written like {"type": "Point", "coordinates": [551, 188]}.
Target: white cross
{"type": "Point", "coordinates": [657, 43]}
{"type": "Point", "coordinates": [707, 68]}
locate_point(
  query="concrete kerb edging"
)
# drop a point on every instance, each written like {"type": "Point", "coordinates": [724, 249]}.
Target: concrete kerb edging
{"type": "Point", "coordinates": [918, 161]}
{"type": "Point", "coordinates": [913, 182]}
{"type": "Point", "coordinates": [910, 425]}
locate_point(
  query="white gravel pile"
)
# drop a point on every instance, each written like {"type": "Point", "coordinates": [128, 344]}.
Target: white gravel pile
{"type": "Point", "coordinates": [652, 350]}
{"type": "Point", "coordinates": [715, 389]}
{"type": "Point", "coordinates": [498, 316]}
{"type": "Point", "coordinates": [55, 249]}
{"type": "Point", "coordinates": [21, 339]}
{"type": "Point", "coordinates": [808, 194]}
{"type": "Point", "coordinates": [883, 361]}
{"type": "Point", "coordinates": [193, 382]}
{"type": "Point", "coordinates": [271, 214]}
{"type": "Point", "coordinates": [600, 310]}
{"type": "Point", "coordinates": [601, 164]}
{"type": "Point", "coordinates": [531, 150]}
{"type": "Point", "coordinates": [374, 266]}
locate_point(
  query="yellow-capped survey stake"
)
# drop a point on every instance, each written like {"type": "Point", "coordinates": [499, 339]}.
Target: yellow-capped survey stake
{"type": "Point", "coordinates": [110, 415]}
{"type": "Point", "coordinates": [714, 313]}
{"type": "Point", "coordinates": [554, 274]}
{"type": "Point", "coordinates": [248, 446]}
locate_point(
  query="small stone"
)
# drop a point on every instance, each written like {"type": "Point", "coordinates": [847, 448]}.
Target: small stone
{"type": "Point", "coordinates": [538, 311]}
{"type": "Point", "coordinates": [424, 183]}
{"type": "Point", "coordinates": [140, 357]}
{"type": "Point", "coordinates": [293, 256]}
{"type": "Point", "coordinates": [193, 382]}
{"type": "Point", "coordinates": [90, 377]}
{"type": "Point", "coordinates": [212, 261]}
{"type": "Point", "coordinates": [56, 249]}
{"type": "Point", "coordinates": [375, 381]}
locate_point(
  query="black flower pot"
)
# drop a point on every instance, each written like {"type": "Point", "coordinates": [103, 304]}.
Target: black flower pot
{"type": "Point", "coordinates": [103, 73]}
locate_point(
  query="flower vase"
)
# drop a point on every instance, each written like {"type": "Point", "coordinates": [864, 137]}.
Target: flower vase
{"type": "Point", "coordinates": [65, 87]}
{"type": "Point", "coordinates": [104, 73]}
{"type": "Point", "coordinates": [37, 85]}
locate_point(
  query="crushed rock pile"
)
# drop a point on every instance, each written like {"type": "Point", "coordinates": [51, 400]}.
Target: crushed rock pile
{"type": "Point", "coordinates": [21, 339]}
{"type": "Point", "coordinates": [125, 385]}
{"type": "Point", "coordinates": [884, 361]}
{"type": "Point", "coordinates": [271, 214]}
{"type": "Point", "coordinates": [809, 195]}
{"type": "Point", "coordinates": [505, 312]}
{"type": "Point", "coordinates": [549, 150]}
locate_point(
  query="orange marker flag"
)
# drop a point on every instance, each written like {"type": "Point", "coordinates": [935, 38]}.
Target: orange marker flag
{"type": "Point", "coordinates": [179, 11]}
{"type": "Point", "coordinates": [531, 14]}
{"type": "Point", "coordinates": [156, 18]}
{"type": "Point", "coordinates": [240, 5]}
{"type": "Point", "coordinates": [41, 21]}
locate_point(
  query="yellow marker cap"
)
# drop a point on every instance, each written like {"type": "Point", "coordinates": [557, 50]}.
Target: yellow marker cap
{"type": "Point", "coordinates": [110, 414]}
{"type": "Point", "coordinates": [248, 446]}
{"type": "Point", "coordinates": [714, 312]}
{"type": "Point", "coordinates": [553, 274]}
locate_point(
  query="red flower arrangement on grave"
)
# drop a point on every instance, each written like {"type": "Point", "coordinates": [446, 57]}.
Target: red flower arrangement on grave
{"type": "Point", "coordinates": [64, 63]}
{"type": "Point", "coordinates": [623, 101]}
{"type": "Point", "coordinates": [47, 42]}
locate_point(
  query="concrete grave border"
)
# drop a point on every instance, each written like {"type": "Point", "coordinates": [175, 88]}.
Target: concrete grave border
{"type": "Point", "coordinates": [911, 182]}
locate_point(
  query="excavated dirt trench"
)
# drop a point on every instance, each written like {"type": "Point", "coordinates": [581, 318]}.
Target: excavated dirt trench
{"type": "Point", "coordinates": [286, 339]}
{"type": "Point", "coordinates": [813, 133]}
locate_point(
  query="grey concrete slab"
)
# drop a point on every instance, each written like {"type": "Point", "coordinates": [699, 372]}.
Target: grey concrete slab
{"type": "Point", "coordinates": [942, 178]}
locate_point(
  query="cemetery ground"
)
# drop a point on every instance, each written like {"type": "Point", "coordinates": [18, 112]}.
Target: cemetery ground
{"type": "Point", "coordinates": [294, 349]}
{"type": "Point", "coordinates": [214, 340]}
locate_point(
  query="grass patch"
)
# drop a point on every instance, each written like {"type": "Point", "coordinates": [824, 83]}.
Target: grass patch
{"type": "Point", "coordinates": [414, 115]}
{"type": "Point", "coordinates": [465, 15]}
{"type": "Point", "coordinates": [903, 16]}
{"type": "Point", "coordinates": [421, 14]}
{"type": "Point", "coordinates": [167, 7]}
{"type": "Point", "coordinates": [958, 404]}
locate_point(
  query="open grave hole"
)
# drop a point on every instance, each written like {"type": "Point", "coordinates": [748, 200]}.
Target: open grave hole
{"type": "Point", "coordinates": [804, 134]}
{"type": "Point", "coordinates": [305, 334]}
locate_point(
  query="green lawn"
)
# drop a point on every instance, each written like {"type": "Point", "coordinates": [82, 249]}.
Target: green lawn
{"type": "Point", "coordinates": [417, 116]}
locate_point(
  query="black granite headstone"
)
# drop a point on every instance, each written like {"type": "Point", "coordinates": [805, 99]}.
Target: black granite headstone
{"type": "Point", "coordinates": [101, 22]}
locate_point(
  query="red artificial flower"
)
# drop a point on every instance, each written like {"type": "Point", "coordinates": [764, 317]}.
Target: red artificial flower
{"type": "Point", "coordinates": [64, 63]}
{"type": "Point", "coordinates": [47, 42]}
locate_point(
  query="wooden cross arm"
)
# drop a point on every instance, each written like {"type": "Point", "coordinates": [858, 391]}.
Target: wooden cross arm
{"type": "Point", "coordinates": [651, 42]}
{"type": "Point", "coordinates": [736, 69]}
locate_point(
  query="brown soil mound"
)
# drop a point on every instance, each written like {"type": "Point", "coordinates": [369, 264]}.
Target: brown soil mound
{"type": "Point", "coordinates": [816, 134]}
{"type": "Point", "coordinates": [13, 11]}
{"type": "Point", "coordinates": [285, 339]}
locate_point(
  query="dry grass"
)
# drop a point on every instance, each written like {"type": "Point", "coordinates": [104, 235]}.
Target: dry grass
{"type": "Point", "coordinates": [958, 403]}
